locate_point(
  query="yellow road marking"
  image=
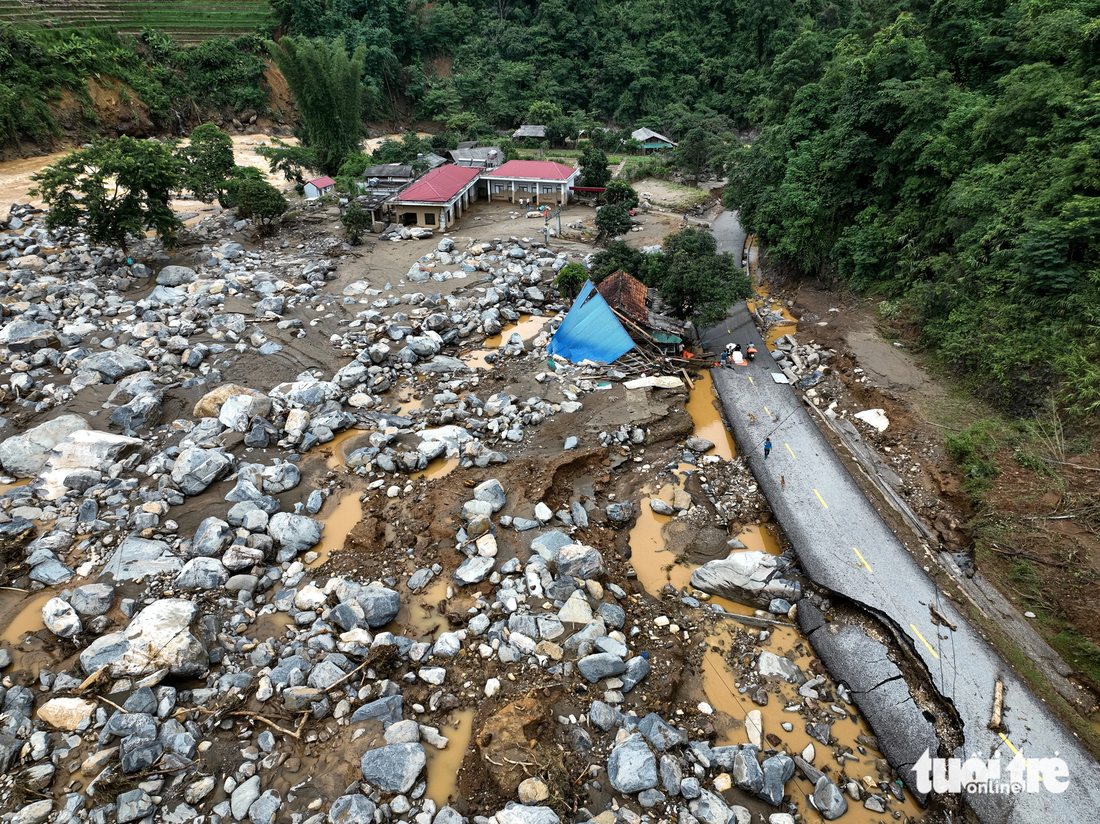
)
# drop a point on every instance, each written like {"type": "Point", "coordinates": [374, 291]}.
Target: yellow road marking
{"type": "Point", "coordinates": [751, 380]}
{"type": "Point", "coordinates": [1017, 752]}
{"type": "Point", "coordinates": [768, 411]}
{"type": "Point", "coordinates": [862, 559]}
{"type": "Point", "coordinates": [790, 450]}
{"type": "Point", "coordinates": [818, 494]}
{"type": "Point", "coordinates": [917, 631]}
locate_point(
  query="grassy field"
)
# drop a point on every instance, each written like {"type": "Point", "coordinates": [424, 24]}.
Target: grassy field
{"type": "Point", "coordinates": [187, 21]}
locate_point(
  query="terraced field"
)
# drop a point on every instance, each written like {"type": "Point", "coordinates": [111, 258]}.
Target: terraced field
{"type": "Point", "coordinates": [187, 21]}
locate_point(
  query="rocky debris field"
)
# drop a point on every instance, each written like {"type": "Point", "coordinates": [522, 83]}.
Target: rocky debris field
{"type": "Point", "coordinates": [473, 644]}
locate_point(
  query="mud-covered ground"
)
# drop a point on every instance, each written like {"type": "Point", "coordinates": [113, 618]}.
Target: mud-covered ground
{"type": "Point", "coordinates": [615, 470]}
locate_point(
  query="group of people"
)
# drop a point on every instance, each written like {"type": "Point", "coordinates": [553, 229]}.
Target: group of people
{"type": "Point", "coordinates": [730, 356]}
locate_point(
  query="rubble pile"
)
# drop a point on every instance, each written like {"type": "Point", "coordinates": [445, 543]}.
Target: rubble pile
{"type": "Point", "coordinates": [160, 424]}
{"type": "Point", "coordinates": [804, 366]}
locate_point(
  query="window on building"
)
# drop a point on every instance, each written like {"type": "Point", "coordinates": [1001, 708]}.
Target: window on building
{"type": "Point", "coordinates": [429, 219]}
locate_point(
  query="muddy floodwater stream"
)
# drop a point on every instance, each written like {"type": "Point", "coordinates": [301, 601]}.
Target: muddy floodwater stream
{"type": "Point", "coordinates": [16, 183]}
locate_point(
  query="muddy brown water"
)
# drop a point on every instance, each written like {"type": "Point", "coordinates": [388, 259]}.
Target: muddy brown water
{"type": "Point", "coordinates": [702, 405]}
{"type": "Point", "coordinates": [731, 707]}
{"type": "Point", "coordinates": [763, 300]}
{"type": "Point", "coordinates": [444, 765]}
{"type": "Point", "coordinates": [23, 634]}
{"type": "Point", "coordinates": [16, 183]}
{"type": "Point", "coordinates": [528, 327]}
{"type": "Point", "coordinates": [339, 518]}
{"type": "Point", "coordinates": [656, 565]}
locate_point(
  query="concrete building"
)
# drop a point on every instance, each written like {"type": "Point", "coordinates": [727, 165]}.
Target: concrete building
{"type": "Point", "coordinates": [438, 198]}
{"type": "Point", "coordinates": [543, 181]}
{"type": "Point", "coordinates": [319, 187]}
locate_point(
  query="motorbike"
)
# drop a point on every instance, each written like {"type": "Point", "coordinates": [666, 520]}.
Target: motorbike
{"type": "Point", "coordinates": [750, 353]}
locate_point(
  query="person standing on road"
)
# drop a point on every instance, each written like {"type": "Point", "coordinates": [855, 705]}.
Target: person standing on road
{"type": "Point", "coordinates": [767, 447]}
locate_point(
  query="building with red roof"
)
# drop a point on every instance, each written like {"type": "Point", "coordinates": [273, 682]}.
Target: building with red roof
{"type": "Point", "coordinates": [438, 198]}
{"type": "Point", "coordinates": [539, 181]}
{"type": "Point", "coordinates": [319, 187]}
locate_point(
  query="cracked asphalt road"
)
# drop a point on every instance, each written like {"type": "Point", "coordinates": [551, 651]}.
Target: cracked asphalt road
{"type": "Point", "coordinates": [844, 546]}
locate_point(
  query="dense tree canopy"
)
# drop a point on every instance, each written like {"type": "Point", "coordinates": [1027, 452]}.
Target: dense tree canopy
{"type": "Point", "coordinates": [112, 190]}
{"type": "Point", "coordinates": [207, 162]}
{"type": "Point", "coordinates": [327, 84]}
{"type": "Point", "coordinates": [947, 160]}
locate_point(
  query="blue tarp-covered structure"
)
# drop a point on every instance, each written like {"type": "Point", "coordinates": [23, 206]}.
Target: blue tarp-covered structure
{"type": "Point", "coordinates": [590, 331]}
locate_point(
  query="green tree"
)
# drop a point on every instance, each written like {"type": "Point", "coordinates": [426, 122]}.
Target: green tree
{"type": "Point", "coordinates": [207, 162]}
{"type": "Point", "coordinates": [594, 171]}
{"type": "Point", "coordinates": [356, 220]}
{"type": "Point", "coordinates": [622, 193]}
{"type": "Point", "coordinates": [542, 113]}
{"type": "Point", "coordinates": [571, 279]}
{"type": "Point", "coordinates": [693, 154]}
{"type": "Point", "coordinates": [259, 200]}
{"type": "Point", "coordinates": [227, 196]}
{"type": "Point", "coordinates": [695, 280]}
{"type": "Point", "coordinates": [292, 161]}
{"type": "Point", "coordinates": [112, 190]}
{"type": "Point", "coordinates": [617, 256]}
{"type": "Point", "coordinates": [613, 220]}
{"type": "Point", "coordinates": [327, 84]}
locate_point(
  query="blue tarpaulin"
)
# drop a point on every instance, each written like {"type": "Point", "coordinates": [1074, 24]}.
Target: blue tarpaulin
{"type": "Point", "coordinates": [590, 331]}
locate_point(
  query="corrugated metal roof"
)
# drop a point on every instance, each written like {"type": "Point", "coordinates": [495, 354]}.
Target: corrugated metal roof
{"type": "Point", "coordinates": [627, 295]}
{"type": "Point", "coordinates": [590, 331]}
{"type": "Point", "coordinates": [642, 135]}
{"type": "Point", "coordinates": [322, 182]}
{"type": "Point", "coordinates": [534, 170]}
{"type": "Point", "coordinates": [529, 131]}
{"type": "Point", "coordinates": [439, 185]}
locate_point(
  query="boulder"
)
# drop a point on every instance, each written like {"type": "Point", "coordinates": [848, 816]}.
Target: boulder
{"type": "Point", "coordinates": [491, 492]}
{"type": "Point", "coordinates": [209, 406]}
{"type": "Point", "coordinates": [294, 533]}
{"type": "Point", "coordinates": [83, 450]}
{"type": "Point", "coordinates": [211, 538]}
{"type": "Point", "coordinates": [380, 605]}
{"type": "Point", "coordinates": [601, 665]}
{"type": "Point", "coordinates": [828, 799]}
{"type": "Point", "coordinates": [159, 637]}
{"type": "Point", "coordinates": [196, 468]}
{"type": "Point", "coordinates": [203, 573]}
{"type": "Point", "coordinates": [752, 577]}
{"type": "Point", "coordinates": [25, 454]}
{"type": "Point", "coordinates": [514, 813]}
{"type": "Point", "coordinates": [393, 768]}
{"type": "Point", "coordinates": [237, 411]}
{"type": "Point", "coordinates": [474, 570]}
{"type": "Point", "coordinates": [700, 445]}
{"type": "Point", "coordinates": [175, 276]}
{"type": "Point", "coordinates": [140, 558]}
{"type": "Point", "coordinates": [307, 394]}
{"type": "Point", "coordinates": [143, 412]}
{"type": "Point", "coordinates": [352, 809]}
{"type": "Point", "coordinates": [776, 667]}
{"type": "Point", "coordinates": [60, 618]}
{"type": "Point", "coordinates": [579, 561]}
{"type": "Point", "coordinates": [632, 767]}
{"type": "Point", "coordinates": [67, 713]}
{"type": "Point", "coordinates": [93, 599]}
{"type": "Point", "coordinates": [114, 365]}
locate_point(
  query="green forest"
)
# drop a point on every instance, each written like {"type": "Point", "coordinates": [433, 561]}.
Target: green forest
{"type": "Point", "coordinates": [940, 155]}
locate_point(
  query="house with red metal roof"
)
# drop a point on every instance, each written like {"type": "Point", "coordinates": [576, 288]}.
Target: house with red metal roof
{"type": "Point", "coordinates": [319, 187]}
{"type": "Point", "coordinates": [540, 181]}
{"type": "Point", "coordinates": [437, 199]}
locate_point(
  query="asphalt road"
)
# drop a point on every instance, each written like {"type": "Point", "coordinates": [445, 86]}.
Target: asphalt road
{"type": "Point", "coordinates": [845, 546]}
